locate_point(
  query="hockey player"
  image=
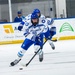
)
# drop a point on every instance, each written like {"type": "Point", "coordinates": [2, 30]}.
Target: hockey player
{"type": "Point", "coordinates": [51, 30]}
{"type": "Point", "coordinates": [34, 35]}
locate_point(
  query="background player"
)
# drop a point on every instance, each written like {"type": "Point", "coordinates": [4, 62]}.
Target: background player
{"type": "Point", "coordinates": [51, 29]}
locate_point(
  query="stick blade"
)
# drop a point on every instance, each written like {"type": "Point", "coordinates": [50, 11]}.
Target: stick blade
{"type": "Point", "coordinates": [26, 64]}
{"type": "Point", "coordinates": [54, 40]}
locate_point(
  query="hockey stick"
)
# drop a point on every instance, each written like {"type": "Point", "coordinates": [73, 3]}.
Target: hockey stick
{"type": "Point", "coordinates": [33, 56]}
{"type": "Point", "coordinates": [54, 40]}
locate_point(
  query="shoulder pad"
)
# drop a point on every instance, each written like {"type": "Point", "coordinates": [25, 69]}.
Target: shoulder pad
{"type": "Point", "coordinates": [42, 16]}
{"type": "Point", "coordinates": [26, 23]}
{"type": "Point", "coordinates": [43, 21]}
{"type": "Point", "coordinates": [28, 17]}
{"type": "Point", "coordinates": [48, 22]}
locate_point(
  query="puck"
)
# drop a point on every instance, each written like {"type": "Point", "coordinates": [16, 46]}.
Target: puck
{"type": "Point", "coordinates": [20, 68]}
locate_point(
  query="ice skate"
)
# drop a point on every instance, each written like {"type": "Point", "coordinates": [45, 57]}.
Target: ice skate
{"type": "Point", "coordinates": [52, 46]}
{"type": "Point", "coordinates": [41, 56]}
{"type": "Point", "coordinates": [19, 56]}
{"type": "Point", "coordinates": [16, 61]}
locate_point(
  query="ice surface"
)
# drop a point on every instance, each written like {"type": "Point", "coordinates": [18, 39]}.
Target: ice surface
{"type": "Point", "coordinates": [60, 61]}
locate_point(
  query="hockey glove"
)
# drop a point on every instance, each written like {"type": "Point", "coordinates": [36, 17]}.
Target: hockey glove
{"type": "Point", "coordinates": [20, 28]}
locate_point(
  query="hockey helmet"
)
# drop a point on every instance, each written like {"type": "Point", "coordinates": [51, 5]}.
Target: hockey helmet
{"type": "Point", "coordinates": [34, 16]}
{"type": "Point", "coordinates": [36, 11]}
{"type": "Point", "coordinates": [34, 19]}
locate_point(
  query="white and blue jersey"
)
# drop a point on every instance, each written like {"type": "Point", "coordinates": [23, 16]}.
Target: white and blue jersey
{"type": "Point", "coordinates": [34, 34]}
{"type": "Point", "coordinates": [50, 29]}
{"type": "Point", "coordinates": [34, 31]}
{"type": "Point", "coordinates": [27, 23]}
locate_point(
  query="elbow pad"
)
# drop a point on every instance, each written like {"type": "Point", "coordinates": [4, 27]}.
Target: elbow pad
{"type": "Point", "coordinates": [20, 28]}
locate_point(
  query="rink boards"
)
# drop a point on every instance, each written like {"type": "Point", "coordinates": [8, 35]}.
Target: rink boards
{"type": "Point", "coordinates": [65, 30]}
